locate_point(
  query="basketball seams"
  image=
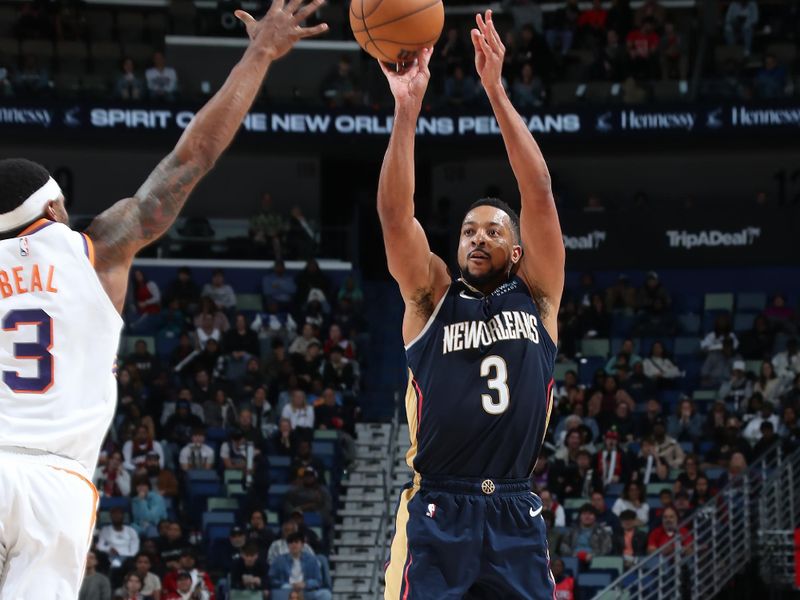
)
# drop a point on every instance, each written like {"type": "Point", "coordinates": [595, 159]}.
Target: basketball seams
{"type": "Point", "coordinates": [369, 35]}
{"type": "Point", "coordinates": [400, 18]}
{"type": "Point", "coordinates": [362, 16]}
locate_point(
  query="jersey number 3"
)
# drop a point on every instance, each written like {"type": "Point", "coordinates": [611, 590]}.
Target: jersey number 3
{"type": "Point", "coordinates": [38, 351]}
{"type": "Point", "coordinates": [495, 369]}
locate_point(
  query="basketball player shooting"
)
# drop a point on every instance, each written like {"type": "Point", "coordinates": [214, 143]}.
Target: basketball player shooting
{"type": "Point", "coordinates": [62, 295]}
{"type": "Point", "coordinates": [480, 354]}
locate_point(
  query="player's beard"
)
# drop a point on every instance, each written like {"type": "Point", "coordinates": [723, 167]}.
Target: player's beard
{"type": "Point", "coordinates": [493, 277]}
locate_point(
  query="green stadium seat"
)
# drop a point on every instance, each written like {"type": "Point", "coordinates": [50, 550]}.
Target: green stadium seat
{"type": "Point", "coordinates": [704, 395]}
{"type": "Point", "coordinates": [574, 503]}
{"type": "Point", "coordinates": [654, 489]}
{"type": "Point", "coordinates": [222, 504]}
{"type": "Point", "coordinates": [753, 366]}
{"type": "Point", "coordinates": [249, 302]}
{"type": "Point", "coordinates": [560, 369]}
{"type": "Point", "coordinates": [719, 302]}
{"type": "Point", "coordinates": [595, 347]}
{"type": "Point", "coordinates": [751, 301]}
{"type": "Point", "coordinates": [246, 595]}
{"type": "Point", "coordinates": [233, 476]}
{"type": "Point", "coordinates": [608, 562]}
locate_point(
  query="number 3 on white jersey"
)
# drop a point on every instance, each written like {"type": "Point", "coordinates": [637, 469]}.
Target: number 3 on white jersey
{"type": "Point", "coordinates": [498, 382]}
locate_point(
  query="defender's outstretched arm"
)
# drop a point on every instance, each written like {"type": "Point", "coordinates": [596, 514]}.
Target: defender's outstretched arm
{"type": "Point", "coordinates": [130, 224]}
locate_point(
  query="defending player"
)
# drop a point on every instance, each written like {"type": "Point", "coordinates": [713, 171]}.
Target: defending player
{"type": "Point", "coordinates": [62, 294]}
{"type": "Point", "coordinates": [480, 353]}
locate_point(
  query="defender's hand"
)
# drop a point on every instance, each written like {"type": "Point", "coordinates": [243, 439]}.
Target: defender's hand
{"type": "Point", "coordinates": [489, 51]}
{"type": "Point", "coordinates": [409, 82]}
{"type": "Point", "coordinates": [280, 28]}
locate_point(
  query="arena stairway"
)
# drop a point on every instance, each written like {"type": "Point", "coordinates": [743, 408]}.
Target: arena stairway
{"type": "Point", "coordinates": [359, 545]}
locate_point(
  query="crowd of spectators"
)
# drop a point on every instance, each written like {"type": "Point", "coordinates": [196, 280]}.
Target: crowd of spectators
{"type": "Point", "coordinates": [233, 396]}
{"type": "Point", "coordinates": [582, 42]}
{"type": "Point", "coordinates": [644, 437]}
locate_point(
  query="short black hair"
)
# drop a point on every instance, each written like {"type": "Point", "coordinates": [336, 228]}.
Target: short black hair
{"type": "Point", "coordinates": [504, 206]}
{"type": "Point", "coordinates": [19, 178]}
{"type": "Point", "coordinates": [295, 537]}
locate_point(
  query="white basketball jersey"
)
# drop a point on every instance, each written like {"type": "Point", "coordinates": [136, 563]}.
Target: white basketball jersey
{"type": "Point", "coordinates": [59, 334]}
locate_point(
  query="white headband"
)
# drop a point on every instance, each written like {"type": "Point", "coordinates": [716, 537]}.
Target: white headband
{"type": "Point", "coordinates": [32, 208]}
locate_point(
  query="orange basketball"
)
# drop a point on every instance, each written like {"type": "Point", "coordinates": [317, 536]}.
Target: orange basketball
{"type": "Point", "coordinates": [389, 30]}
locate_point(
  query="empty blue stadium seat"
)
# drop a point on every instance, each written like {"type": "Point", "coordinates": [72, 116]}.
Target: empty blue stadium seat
{"type": "Point", "coordinates": [202, 475]}
{"type": "Point", "coordinates": [754, 301]}
{"type": "Point", "coordinates": [275, 497]}
{"type": "Point", "coordinates": [204, 488]}
{"type": "Point", "coordinates": [109, 502]}
{"type": "Point", "coordinates": [686, 346]}
{"type": "Point", "coordinates": [312, 519]}
{"type": "Point", "coordinates": [571, 564]}
{"type": "Point", "coordinates": [276, 460]}
{"type": "Point", "coordinates": [218, 518]}
{"type": "Point", "coordinates": [743, 321]}
{"type": "Point", "coordinates": [689, 323]}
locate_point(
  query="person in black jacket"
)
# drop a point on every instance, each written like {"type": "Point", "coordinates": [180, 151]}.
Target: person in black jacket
{"type": "Point", "coordinates": [630, 542]}
{"type": "Point", "coordinates": [250, 571]}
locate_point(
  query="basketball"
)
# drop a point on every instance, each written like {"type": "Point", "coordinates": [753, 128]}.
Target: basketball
{"type": "Point", "coordinates": [389, 30]}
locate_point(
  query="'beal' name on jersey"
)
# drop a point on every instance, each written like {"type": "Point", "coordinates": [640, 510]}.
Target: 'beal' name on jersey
{"type": "Point", "coordinates": [24, 279]}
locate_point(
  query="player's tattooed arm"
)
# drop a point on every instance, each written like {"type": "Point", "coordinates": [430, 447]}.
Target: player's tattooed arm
{"type": "Point", "coordinates": [542, 264]}
{"type": "Point", "coordinates": [130, 224]}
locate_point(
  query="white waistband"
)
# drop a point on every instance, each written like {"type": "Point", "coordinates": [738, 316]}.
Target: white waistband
{"type": "Point", "coordinates": [41, 457]}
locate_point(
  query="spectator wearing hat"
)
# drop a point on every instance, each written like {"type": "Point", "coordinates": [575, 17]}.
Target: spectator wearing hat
{"type": "Point", "coordinates": [200, 580]}
{"type": "Point", "coordinates": [309, 495]}
{"type": "Point", "coordinates": [666, 532]}
{"type": "Point", "coordinates": [633, 498]}
{"type": "Point", "coordinates": [297, 571]}
{"type": "Point", "coordinates": [631, 541]}
{"type": "Point", "coordinates": [228, 552]}
{"type": "Point", "coordinates": [587, 538]}
{"type": "Point", "coordinates": [666, 447]}
{"type": "Point", "coordinates": [250, 570]}
{"type": "Point", "coordinates": [686, 425]}
{"type": "Point", "coordinates": [737, 390]}
{"type": "Point", "coordinates": [610, 463]}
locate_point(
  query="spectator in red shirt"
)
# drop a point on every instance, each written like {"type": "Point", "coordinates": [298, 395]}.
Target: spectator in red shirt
{"type": "Point", "coordinates": [565, 582]}
{"type": "Point", "coordinates": [642, 49]}
{"type": "Point", "coordinates": [593, 21]}
{"type": "Point", "coordinates": [666, 532]}
{"type": "Point", "coordinates": [200, 579]}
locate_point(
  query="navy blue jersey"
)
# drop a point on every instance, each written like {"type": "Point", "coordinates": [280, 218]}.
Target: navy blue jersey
{"type": "Point", "coordinates": [480, 384]}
